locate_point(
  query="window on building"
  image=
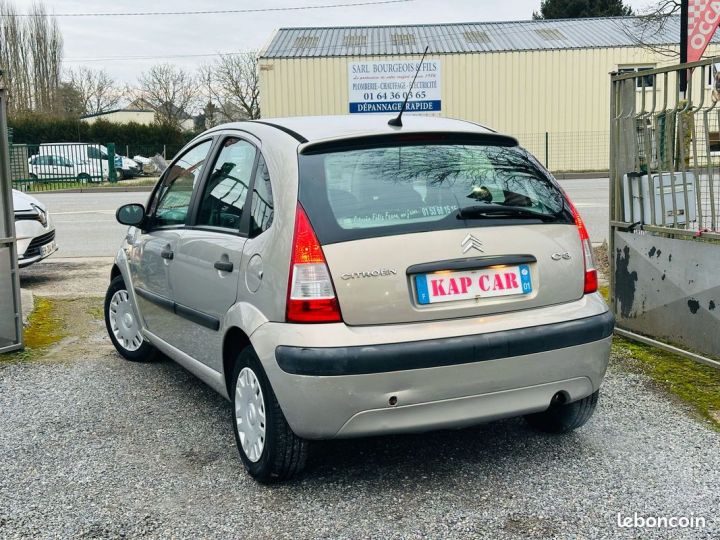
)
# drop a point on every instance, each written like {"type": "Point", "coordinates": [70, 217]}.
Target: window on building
{"type": "Point", "coordinates": [646, 81]}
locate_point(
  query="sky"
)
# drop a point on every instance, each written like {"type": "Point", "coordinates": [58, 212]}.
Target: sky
{"type": "Point", "coordinates": [114, 43]}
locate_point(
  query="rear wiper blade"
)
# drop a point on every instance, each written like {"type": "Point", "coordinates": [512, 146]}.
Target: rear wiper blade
{"type": "Point", "coordinates": [478, 211]}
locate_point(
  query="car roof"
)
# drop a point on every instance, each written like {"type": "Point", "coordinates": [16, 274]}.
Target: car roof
{"type": "Point", "coordinates": [317, 128]}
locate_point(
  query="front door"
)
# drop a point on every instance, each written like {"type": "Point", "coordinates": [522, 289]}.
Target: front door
{"type": "Point", "coordinates": [152, 255]}
{"type": "Point", "coordinates": [208, 259]}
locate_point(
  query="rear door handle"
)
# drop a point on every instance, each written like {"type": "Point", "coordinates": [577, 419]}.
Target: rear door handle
{"type": "Point", "coordinates": [167, 254]}
{"type": "Point", "coordinates": [224, 266]}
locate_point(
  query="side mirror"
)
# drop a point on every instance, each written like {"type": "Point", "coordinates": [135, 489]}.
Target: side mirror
{"type": "Point", "coordinates": [131, 214]}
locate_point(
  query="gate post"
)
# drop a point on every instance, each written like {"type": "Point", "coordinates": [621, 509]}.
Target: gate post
{"type": "Point", "coordinates": [11, 336]}
{"type": "Point", "coordinates": [112, 171]}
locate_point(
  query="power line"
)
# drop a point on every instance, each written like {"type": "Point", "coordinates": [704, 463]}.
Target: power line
{"type": "Point", "coordinates": [213, 12]}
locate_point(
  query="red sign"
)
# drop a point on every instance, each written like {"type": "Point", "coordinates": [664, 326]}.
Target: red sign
{"type": "Point", "coordinates": [703, 20]}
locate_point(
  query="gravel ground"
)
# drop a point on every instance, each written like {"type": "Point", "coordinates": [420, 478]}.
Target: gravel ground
{"type": "Point", "coordinates": [60, 277]}
{"type": "Point", "coordinates": [94, 446]}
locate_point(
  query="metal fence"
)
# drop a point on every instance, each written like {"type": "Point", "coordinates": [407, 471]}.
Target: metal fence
{"type": "Point", "coordinates": [43, 167]}
{"type": "Point", "coordinates": [581, 151]}
{"type": "Point", "coordinates": [665, 208]}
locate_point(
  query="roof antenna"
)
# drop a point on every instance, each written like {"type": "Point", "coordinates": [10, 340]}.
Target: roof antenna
{"type": "Point", "coordinates": [397, 122]}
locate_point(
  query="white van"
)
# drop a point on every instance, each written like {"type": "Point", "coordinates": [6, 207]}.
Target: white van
{"type": "Point", "coordinates": [83, 153]}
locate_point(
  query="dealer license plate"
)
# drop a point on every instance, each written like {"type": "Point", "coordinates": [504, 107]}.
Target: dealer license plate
{"type": "Point", "coordinates": [469, 284]}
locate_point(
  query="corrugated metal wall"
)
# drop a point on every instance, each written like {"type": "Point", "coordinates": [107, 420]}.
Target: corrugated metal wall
{"type": "Point", "coordinates": [565, 93]}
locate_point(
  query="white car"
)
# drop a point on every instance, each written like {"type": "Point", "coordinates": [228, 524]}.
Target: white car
{"type": "Point", "coordinates": [95, 155]}
{"type": "Point", "coordinates": [34, 229]}
{"type": "Point", "coordinates": [49, 167]}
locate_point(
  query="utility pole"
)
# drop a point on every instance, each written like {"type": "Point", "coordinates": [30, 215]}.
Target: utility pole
{"type": "Point", "coordinates": [683, 44]}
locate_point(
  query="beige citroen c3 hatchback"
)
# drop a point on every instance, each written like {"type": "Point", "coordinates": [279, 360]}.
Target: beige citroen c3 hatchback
{"type": "Point", "coordinates": [342, 277]}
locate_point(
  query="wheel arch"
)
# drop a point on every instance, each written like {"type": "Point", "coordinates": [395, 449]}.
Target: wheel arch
{"type": "Point", "coordinates": [235, 340]}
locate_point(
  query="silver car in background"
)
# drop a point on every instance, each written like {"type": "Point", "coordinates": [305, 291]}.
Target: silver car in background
{"type": "Point", "coordinates": [340, 277]}
{"type": "Point", "coordinates": [34, 229]}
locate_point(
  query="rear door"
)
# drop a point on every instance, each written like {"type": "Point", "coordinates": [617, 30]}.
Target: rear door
{"type": "Point", "coordinates": [418, 230]}
{"type": "Point", "coordinates": [208, 261]}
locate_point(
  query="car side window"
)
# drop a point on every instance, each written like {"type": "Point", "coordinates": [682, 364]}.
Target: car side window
{"type": "Point", "coordinates": [261, 213]}
{"type": "Point", "coordinates": [173, 196]}
{"type": "Point", "coordinates": [227, 187]}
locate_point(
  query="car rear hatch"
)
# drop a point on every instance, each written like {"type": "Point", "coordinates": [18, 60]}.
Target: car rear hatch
{"type": "Point", "coordinates": [437, 226]}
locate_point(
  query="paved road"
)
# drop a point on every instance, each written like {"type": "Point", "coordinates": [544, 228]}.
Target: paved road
{"type": "Point", "coordinates": [590, 197]}
{"type": "Point", "coordinates": [85, 222]}
{"type": "Point", "coordinates": [86, 225]}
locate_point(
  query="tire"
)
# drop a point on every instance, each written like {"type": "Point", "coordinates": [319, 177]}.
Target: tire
{"type": "Point", "coordinates": [124, 332]}
{"type": "Point", "coordinates": [32, 176]}
{"type": "Point", "coordinates": [84, 177]}
{"type": "Point", "coordinates": [281, 454]}
{"type": "Point", "coordinates": [566, 417]}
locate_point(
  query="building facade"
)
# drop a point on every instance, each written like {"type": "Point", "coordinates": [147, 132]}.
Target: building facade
{"type": "Point", "coordinates": [545, 82]}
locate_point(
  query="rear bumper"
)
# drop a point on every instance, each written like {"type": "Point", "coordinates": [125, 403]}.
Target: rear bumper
{"type": "Point", "coordinates": [361, 360]}
{"type": "Point", "coordinates": [338, 381]}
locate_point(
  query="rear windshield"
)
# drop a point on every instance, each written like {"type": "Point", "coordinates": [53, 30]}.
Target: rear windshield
{"type": "Point", "coordinates": [365, 192]}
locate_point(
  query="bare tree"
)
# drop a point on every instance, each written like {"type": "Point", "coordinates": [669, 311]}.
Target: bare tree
{"type": "Point", "coordinates": [232, 83]}
{"type": "Point", "coordinates": [651, 22]}
{"type": "Point", "coordinates": [97, 89]}
{"type": "Point", "coordinates": [31, 53]}
{"type": "Point", "coordinates": [170, 91]}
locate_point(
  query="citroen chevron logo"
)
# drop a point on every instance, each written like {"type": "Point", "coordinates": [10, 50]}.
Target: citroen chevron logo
{"type": "Point", "coordinates": [470, 242]}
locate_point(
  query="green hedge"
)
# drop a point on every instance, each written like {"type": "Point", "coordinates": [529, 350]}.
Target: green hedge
{"type": "Point", "coordinates": [133, 138]}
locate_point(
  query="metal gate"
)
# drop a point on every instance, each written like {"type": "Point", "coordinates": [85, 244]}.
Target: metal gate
{"type": "Point", "coordinates": [10, 310]}
{"type": "Point", "coordinates": [665, 208]}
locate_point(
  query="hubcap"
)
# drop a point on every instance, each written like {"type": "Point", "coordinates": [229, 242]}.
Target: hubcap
{"type": "Point", "coordinates": [250, 414]}
{"type": "Point", "coordinates": [123, 322]}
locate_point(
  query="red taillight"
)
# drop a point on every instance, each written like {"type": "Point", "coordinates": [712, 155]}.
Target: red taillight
{"type": "Point", "coordinates": [311, 295]}
{"type": "Point", "coordinates": [591, 279]}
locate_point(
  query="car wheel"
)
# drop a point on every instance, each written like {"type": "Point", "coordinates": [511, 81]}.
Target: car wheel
{"type": "Point", "coordinates": [268, 447]}
{"type": "Point", "coordinates": [562, 418]}
{"type": "Point", "coordinates": [32, 176]}
{"type": "Point", "coordinates": [83, 177]}
{"type": "Point", "coordinates": [123, 326]}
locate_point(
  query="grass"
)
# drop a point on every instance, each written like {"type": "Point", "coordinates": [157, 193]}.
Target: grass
{"type": "Point", "coordinates": [45, 328]}
{"type": "Point", "coordinates": [51, 321]}
{"type": "Point", "coordinates": [695, 384]}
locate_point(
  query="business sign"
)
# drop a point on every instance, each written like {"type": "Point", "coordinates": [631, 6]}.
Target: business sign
{"type": "Point", "coordinates": [381, 87]}
{"type": "Point", "coordinates": [703, 19]}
